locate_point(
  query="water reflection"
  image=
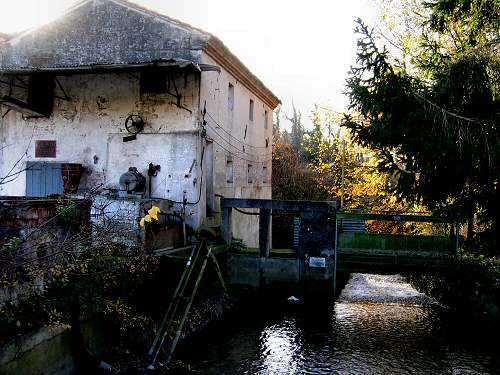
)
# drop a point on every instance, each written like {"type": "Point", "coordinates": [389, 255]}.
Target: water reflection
{"type": "Point", "coordinates": [280, 348]}
{"type": "Point", "coordinates": [380, 326]}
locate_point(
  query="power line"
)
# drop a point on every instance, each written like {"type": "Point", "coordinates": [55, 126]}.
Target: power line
{"type": "Point", "coordinates": [236, 148]}
{"type": "Point", "coordinates": [240, 157]}
{"type": "Point", "coordinates": [230, 135]}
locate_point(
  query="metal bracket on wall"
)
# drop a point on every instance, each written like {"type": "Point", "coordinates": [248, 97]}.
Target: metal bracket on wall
{"type": "Point", "coordinates": [65, 97]}
{"type": "Point", "coordinates": [11, 84]}
{"type": "Point", "coordinates": [25, 86]}
{"type": "Point", "coordinates": [176, 94]}
{"type": "Point", "coordinates": [6, 112]}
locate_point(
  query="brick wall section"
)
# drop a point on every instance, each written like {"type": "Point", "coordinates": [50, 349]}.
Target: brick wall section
{"type": "Point", "coordinates": [19, 215]}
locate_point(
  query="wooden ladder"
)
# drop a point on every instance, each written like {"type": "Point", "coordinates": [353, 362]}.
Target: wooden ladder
{"type": "Point", "coordinates": [180, 295]}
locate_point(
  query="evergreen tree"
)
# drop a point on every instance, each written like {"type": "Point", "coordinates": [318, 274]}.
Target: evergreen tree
{"type": "Point", "coordinates": [438, 127]}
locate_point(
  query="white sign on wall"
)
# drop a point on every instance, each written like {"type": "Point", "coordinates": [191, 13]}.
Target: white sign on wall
{"type": "Point", "coordinates": [317, 262]}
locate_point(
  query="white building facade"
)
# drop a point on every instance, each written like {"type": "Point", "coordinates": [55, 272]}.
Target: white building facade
{"type": "Point", "coordinates": [111, 86]}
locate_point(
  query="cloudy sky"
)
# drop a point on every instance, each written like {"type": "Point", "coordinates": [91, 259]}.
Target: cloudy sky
{"type": "Point", "coordinates": [301, 50]}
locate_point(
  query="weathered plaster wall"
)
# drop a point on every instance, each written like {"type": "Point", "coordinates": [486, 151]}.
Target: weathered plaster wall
{"type": "Point", "coordinates": [90, 128]}
{"type": "Point", "coordinates": [240, 140]}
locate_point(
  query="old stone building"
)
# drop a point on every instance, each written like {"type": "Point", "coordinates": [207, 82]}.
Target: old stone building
{"type": "Point", "coordinates": [132, 107]}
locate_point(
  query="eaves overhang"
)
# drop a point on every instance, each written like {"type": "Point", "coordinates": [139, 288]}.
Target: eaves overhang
{"type": "Point", "coordinates": [100, 68]}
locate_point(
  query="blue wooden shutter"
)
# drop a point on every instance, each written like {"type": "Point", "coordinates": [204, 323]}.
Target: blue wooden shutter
{"type": "Point", "coordinates": [43, 179]}
{"type": "Point", "coordinates": [33, 180]}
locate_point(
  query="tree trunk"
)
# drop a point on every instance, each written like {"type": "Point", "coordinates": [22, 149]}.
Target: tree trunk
{"type": "Point", "coordinates": [470, 226]}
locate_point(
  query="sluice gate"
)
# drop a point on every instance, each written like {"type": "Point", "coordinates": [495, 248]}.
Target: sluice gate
{"type": "Point", "coordinates": [328, 241]}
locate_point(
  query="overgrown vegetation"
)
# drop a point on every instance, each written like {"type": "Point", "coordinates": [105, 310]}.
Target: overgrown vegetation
{"type": "Point", "coordinates": [473, 284]}
{"type": "Point", "coordinates": [56, 277]}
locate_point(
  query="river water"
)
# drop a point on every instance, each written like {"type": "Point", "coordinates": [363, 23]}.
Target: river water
{"type": "Point", "coordinates": [379, 325]}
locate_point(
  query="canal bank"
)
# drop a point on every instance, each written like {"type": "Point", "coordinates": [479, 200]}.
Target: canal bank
{"type": "Point", "coordinates": [379, 325]}
{"type": "Point", "coordinates": [471, 284]}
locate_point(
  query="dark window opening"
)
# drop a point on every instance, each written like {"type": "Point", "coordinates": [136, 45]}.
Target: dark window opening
{"type": "Point", "coordinates": [264, 174]}
{"type": "Point", "coordinates": [41, 93]}
{"type": "Point", "coordinates": [153, 82]}
{"type": "Point", "coordinates": [230, 97]}
{"type": "Point", "coordinates": [250, 110]}
{"type": "Point", "coordinates": [250, 173]}
{"type": "Point", "coordinates": [229, 171]}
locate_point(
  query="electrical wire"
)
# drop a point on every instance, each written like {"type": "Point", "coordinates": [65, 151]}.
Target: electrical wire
{"type": "Point", "coordinates": [246, 212]}
{"type": "Point", "coordinates": [186, 202]}
{"type": "Point", "coordinates": [230, 135]}
{"type": "Point", "coordinates": [265, 161]}
{"type": "Point", "coordinates": [236, 148]}
{"type": "Point", "coordinates": [201, 172]}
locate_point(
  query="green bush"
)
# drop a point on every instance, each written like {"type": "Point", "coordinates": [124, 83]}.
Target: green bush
{"type": "Point", "coordinates": [472, 283]}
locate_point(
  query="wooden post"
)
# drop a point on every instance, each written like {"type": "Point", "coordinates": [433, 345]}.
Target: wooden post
{"type": "Point", "coordinates": [219, 272]}
{"type": "Point", "coordinates": [226, 230]}
{"type": "Point", "coordinates": [264, 232]}
{"type": "Point", "coordinates": [343, 175]}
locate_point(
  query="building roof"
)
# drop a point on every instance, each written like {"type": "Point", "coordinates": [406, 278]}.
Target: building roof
{"type": "Point", "coordinates": [97, 34]}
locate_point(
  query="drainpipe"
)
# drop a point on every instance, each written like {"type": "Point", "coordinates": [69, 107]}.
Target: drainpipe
{"type": "Point", "coordinates": [184, 203]}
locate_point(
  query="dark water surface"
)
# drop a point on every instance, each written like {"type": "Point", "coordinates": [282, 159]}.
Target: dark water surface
{"type": "Point", "coordinates": [379, 325]}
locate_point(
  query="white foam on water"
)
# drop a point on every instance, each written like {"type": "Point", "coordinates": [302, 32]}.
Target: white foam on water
{"type": "Point", "coordinates": [382, 288]}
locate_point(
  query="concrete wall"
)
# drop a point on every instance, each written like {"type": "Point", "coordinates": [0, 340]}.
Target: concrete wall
{"type": "Point", "coordinates": [254, 271]}
{"type": "Point", "coordinates": [47, 351]}
{"type": "Point", "coordinates": [90, 128]}
{"type": "Point", "coordinates": [240, 140]}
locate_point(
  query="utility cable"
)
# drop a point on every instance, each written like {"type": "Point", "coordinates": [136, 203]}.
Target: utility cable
{"type": "Point", "coordinates": [237, 149]}
{"type": "Point", "coordinates": [230, 135]}
{"type": "Point", "coordinates": [242, 158]}
{"type": "Point", "coordinates": [246, 212]}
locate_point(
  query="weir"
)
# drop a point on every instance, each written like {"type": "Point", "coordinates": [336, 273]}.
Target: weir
{"type": "Point", "coordinates": [330, 242]}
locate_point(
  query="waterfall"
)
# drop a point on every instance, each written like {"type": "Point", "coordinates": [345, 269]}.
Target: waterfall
{"type": "Point", "coordinates": [383, 289]}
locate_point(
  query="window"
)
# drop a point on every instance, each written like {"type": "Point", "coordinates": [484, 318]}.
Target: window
{"type": "Point", "coordinates": [265, 120]}
{"type": "Point", "coordinates": [230, 97]}
{"type": "Point", "coordinates": [229, 171]}
{"type": "Point", "coordinates": [153, 81]}
{"type": "Point", "coordinates": [264, 174]}
{"type": "Point", "coordinates": [43, 179]}
{"type": "Point", "coordinates": [250, 173]}
{"type": "Point", "coordinates": [250, 110]}
{"type": "Point", "coordinates": [41, 93]}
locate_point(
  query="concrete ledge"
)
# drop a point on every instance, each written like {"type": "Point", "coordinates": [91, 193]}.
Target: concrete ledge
{"type": "Point", "coordinates": [243, 269]}
{"type": "Point", "coordinates": [45, 351]}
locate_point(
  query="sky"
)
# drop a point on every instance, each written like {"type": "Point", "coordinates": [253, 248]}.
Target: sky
{"type": "Point", "coordinates": [301, 50]}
